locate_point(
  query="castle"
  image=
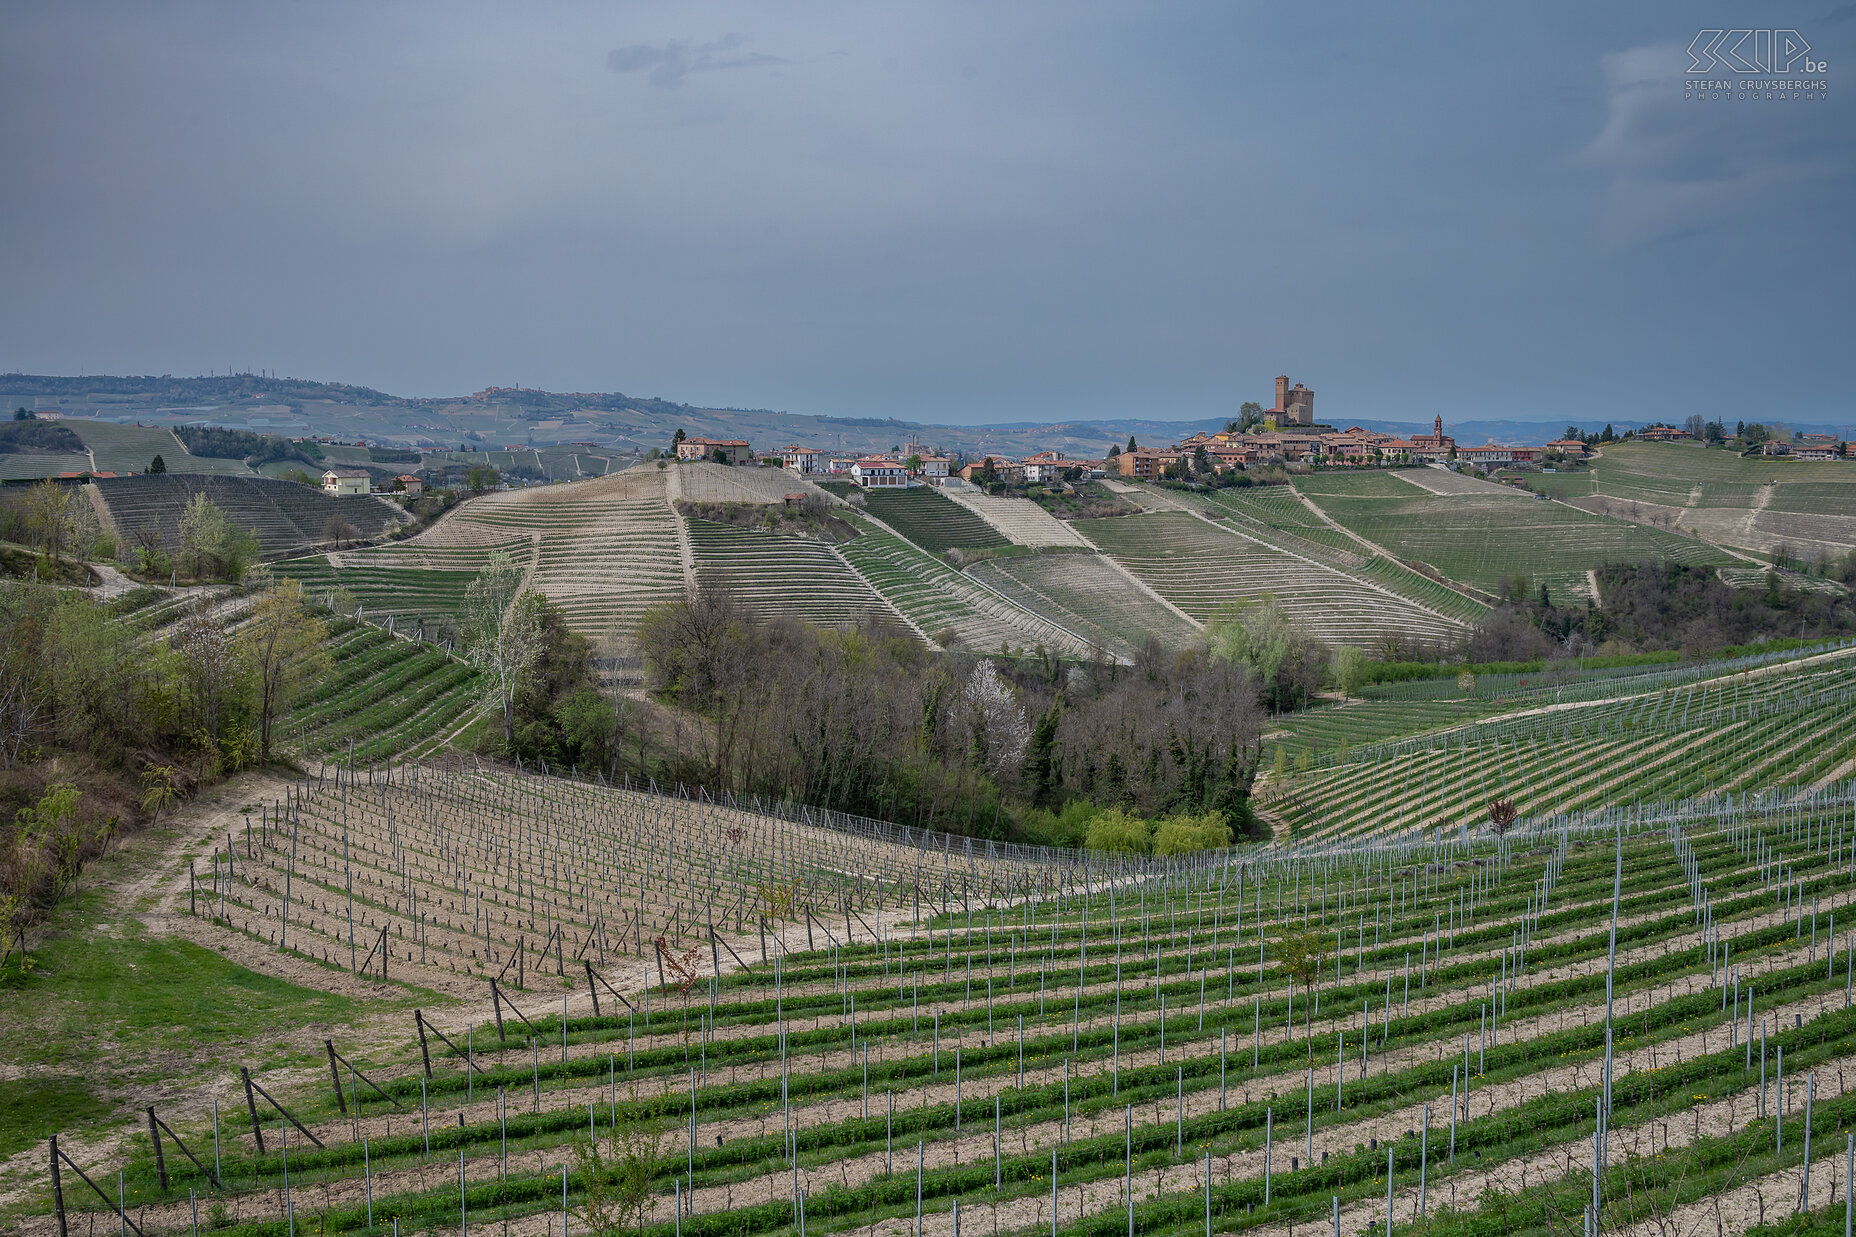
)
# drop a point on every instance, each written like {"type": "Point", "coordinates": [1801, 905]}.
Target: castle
{"type": "Point", "coordinates": [1294, 405]}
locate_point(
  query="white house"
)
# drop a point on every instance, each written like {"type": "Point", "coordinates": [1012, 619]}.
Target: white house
{"type": "Point", "coordinates": [344, 482]}
{"type": "Point", "coordinates": [873, 472]}
{"type": "Point", "coordinates": [801, 459]}
{"type": "Point", "coordinates": [934, 468]}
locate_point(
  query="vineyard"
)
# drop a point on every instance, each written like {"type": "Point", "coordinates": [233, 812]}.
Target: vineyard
{"type": "Point", "coordinates": [1199, 566]}
{"type": "Point", "coordinates": [1601, 742]}
{"type": "Point", "coordinates": [721, 1018]}
{"type": "Point", "coordinates": [1482, 538]}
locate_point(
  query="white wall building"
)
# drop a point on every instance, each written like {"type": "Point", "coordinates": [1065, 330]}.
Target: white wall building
{"type": "Point", "coordinates": [872, 472]}
{"type": "Point", "coordinates": [346, 482]}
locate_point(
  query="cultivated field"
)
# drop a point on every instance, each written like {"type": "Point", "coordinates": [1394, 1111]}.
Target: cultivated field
{"type": "Point", "coordinates": [1019, 520]}
{"type": "Point", "coordinates": [1482, 539]}
{"type": "Point", "coordinates": [1664, 734]}
{"type": "Point", "coordinates": [1759, 504]}
{"type": "Point", "coordinates": [1087, 594]}
{"type": "Point", "coordinates": [849, 1031]}
{"type": "Point", "coordinates": [285, 516]}
{"type": "Point", "coordinates": [940, 600]}
{"type": "Point", "coordinates": [774, 575]}
{"type": "Point", "coordinates": [603, 550]}
{"type": "Point", "coordinates": [1199, 566]}
{"type": "Point", "coordinates": [932, 520]}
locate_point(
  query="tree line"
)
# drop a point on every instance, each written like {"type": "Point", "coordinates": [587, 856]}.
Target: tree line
{"type": "Point", "coordinates": [102, 728]}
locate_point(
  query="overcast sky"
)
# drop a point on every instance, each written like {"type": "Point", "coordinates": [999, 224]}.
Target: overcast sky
{"type": "Point", "coordinates": [936, 211]}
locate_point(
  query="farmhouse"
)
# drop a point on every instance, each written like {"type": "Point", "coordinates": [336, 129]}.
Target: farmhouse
{"type": "Point", "coordinates": [874, 472]}
{"type": "Point", "coordinates": [934, 468]}
{"type": "Point", "coordinates": [801, 459]}
{"type": "Point", "coordinates": [729, 450]}
{"type": "Point", "coordinates": [1571, 448]}
{"type": "Point", "coordinates": [1146, 463]}
{"type": "Point", "coordinates": [411, 484]}
{"type": "Point", "coordinates": [346, 482]}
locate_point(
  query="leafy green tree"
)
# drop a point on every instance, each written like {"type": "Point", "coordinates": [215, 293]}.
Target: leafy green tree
{"type": "Point", "coordinates": [157, 465]}
{"type": "Point", "coordinates": [1349, 670]}
{"type": "Point", "coordinates": [1040, 760]}
{"type": "Point", "coordinates": [1300, 958]}
{"type": "Point", "coordinates": [1131, 445]}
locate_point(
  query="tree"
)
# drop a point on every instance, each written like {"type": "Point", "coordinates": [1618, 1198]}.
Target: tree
{"type": "Point", "coordinates": [1040, 767]}
{"type": "Point", "coordinates": [1349, 670]}
{"type": "Point", "coordinates": [1609, 435]}
{"type": "Point", "coordinates": [482, 478]}
{"type": "Point", "coordinates": [48, 509]}
{"type": "Point", "coordinates": [1131, 445]}
{"type": "Point", "coordinates": [913, 463]}
{"type": "Point", "coordinates": [501, 638]}
{"type": "Point", "coordinates": [996, 721]}
{"type": "Point", "coordinates": [157, 465]}
{"type": "Point", "coordinates": [282, 641]}
{"type": "Point", "coordinates": [677, 439]}
{"type": "Point", "coordinates": [337, 529]}
{"type": "Point", "coordinates": [20, 414]}
{"type": "Point", "coordinates": [202, 535]}
{"type": "Point", "coordinates": [1300, 957]}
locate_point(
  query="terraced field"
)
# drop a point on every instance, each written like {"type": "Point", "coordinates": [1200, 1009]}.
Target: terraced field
{"type": "Point", "coordinates": [384, 695]}
{"type": "Point", "coordinates": [286, 516]}
{"type": "Point", "coordinates": [931, 520]}
{"type": "Point", "coordinates": [876, 1031]}
{"type": "Point", "coordinates": [1277, 516]}
{"type": "Point", "coordinates": [414, 596]}
{"type": "Point", "coordinates": [602, 550]}
{"type": "Point", "coordinates": [720, 483]}
{"type": "Point", "coordinates": [1020, 520]}
{"type": "Point", "coordinates": [774, 575]}
{"type": "Point", "coordinates": [1089, 596]}
{"type": "Point", "coordinates": [130, 448]}
{"type": "Point", "coordinates": [1199, 567]}
{"type": "Point", "coordinates": [1480, 540]}
{"type": "Point", "coordinates": [24, 466]}
{"type": "Point", "coordinates": [939, 599]}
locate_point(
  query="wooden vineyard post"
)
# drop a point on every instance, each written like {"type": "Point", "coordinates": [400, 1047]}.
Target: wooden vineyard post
{"type": "Point", "coordinates": [418, 1017]}
{"type": "Point", "coordinates": [335, 1075]}
{"type": "Point", "coordinates": [57, 1189]}
{"type": "Point", "coordinates": [154, 1136]}
{"type": "Point", "coordinates": [251, 1103]}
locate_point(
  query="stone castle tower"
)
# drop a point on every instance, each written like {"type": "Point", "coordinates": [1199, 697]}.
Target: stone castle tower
{"type": "Point", "coordinates": [1294, 405]}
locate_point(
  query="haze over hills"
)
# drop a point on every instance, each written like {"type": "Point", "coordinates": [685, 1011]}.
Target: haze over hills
{"type": "Point", "coordinates": [522, 416]}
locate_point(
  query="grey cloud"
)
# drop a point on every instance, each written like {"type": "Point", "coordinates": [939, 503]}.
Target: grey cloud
{"type": "Point", "coordinates": [669, 63]}
{"type": "Point", "coordinates": [1681, 165]}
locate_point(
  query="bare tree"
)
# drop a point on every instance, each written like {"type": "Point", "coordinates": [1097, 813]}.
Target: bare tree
{"type": "Point", "coordinates": [502, 636]}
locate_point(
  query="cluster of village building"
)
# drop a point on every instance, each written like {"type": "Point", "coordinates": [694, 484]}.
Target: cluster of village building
{"type": "Point", "coordinates": [1286, 433]}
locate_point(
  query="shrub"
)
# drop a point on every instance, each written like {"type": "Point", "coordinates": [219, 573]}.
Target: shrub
{"type": "Point", "coordinates": [1116, 830]}
{"type": "Point", "coordinates": [1182, 834]}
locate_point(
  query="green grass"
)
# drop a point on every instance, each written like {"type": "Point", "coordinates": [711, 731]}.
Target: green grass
{"type": "Point", "coordinates": [32, 1109]}
{"type": "Point", "coordinates": [108, 997]}
{"type": "Point", "coordinates": [1481, 540]}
